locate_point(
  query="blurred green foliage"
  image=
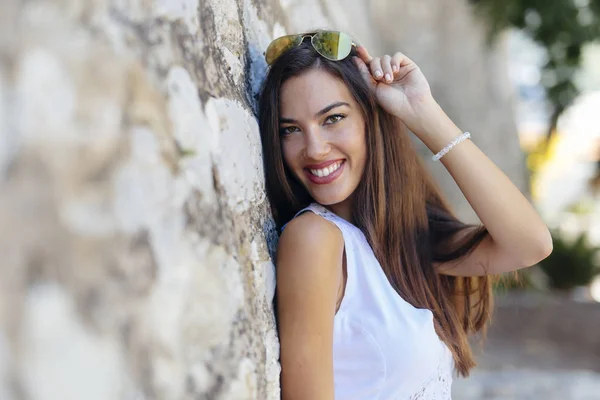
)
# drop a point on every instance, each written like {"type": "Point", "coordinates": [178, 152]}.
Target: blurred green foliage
{"type": "Point", "coordinates": [562, 27]}
{"type": "Point", "coordinates": [572, 263]}
{"type": "Point", "coordinates": [517, 280]}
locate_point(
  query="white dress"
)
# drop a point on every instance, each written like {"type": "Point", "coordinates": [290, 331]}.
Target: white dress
{"type": "Point", "coordinates": [383, 347]}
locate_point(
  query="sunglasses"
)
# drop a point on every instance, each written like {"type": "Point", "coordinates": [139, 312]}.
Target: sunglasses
{"type": "Point", "coordinates": [333, 45]}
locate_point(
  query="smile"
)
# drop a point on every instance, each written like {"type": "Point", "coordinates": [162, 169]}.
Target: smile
{"type": "Point", "coordinates": [327, 174]}
{"type": "Point", "coordinates": [327, 170]}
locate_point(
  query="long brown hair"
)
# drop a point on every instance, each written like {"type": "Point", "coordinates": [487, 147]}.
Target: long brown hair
{"type": "Point", "coordinates": [397, 205]}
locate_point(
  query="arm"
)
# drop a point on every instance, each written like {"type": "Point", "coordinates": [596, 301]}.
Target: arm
{"type": "Point", "coordinates": [309, 267]}
{"type": "Point", "coordinates": [518, 236]}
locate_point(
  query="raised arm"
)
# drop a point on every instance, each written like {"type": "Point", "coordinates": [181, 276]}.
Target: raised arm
{"type": "Point", "coordinates": [517, 235]}
{"type": "Point", "coordinates": [309, 273]}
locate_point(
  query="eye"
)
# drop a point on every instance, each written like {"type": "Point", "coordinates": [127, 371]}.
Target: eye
{"type": "Point", "coordinates": [332, 119]}
{"type": "Point", "coordinates": [287, 130]}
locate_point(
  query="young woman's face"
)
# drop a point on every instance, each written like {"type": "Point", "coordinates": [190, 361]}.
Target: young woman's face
{"type": "Point", "coordinates": [323, 135]}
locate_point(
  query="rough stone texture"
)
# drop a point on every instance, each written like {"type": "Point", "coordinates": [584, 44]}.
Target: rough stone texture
{"type": "Point", "coordinates": [136, 239]}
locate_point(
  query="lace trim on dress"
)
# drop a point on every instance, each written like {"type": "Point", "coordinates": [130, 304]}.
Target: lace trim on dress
{"type": "Point", "coordinates": [321, 209]}
{"type": "Point", "coordinates": [438, 386]}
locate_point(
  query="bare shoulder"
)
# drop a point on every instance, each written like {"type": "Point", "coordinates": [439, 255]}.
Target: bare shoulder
{"type": "Point", "coordinates": [310, 247]}
{"type": "Point", "coordinates": [309, 264]}
{"type": "Point", "coordinates": [310, 230]}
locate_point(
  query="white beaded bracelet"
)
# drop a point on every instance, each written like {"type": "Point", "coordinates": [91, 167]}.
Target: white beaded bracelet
{"type": "Point", "coordinates": [446, 149]}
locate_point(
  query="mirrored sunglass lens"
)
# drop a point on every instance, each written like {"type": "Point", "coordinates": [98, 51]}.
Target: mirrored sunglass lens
{"type": "Point", "coordinates": [280, 46]}
{"type": "Point", "coordinates": [332, 45]}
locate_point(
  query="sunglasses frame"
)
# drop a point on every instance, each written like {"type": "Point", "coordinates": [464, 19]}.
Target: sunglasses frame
{"type": "Point", "coordinates": [312, 35]}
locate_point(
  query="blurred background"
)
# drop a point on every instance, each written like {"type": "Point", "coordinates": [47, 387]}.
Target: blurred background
{"type": "Point", "coordinates": [544, 340]}
{"type": "Point", "coordinates": [136, 240]}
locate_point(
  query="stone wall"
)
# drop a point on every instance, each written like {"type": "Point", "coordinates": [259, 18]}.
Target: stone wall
{"type": "Point", "coordinates": [136, 239]}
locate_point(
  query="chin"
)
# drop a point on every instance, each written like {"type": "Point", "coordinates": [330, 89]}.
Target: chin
{"type": "Point", "coordinates": [329, 199]}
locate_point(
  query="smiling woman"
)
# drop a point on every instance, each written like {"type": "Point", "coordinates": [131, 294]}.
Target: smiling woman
{"type": "Point", "coordinates": [378, 283]}
{"type": "Point", "coordinates": [322, 121]}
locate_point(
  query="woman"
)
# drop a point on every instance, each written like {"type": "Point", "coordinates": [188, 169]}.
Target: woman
{"type": "Point", "coordinates": [379, 284]}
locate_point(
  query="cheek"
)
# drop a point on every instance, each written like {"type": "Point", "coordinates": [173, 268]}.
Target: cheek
{"type": "Point", "coordinates": [356, 144]}
{"type": "Point", "coordinates": [289, 151]}
{"type": "Point", "coordinates": [362, 143]}
{"type": "Point", "coordinates": [286, 153]}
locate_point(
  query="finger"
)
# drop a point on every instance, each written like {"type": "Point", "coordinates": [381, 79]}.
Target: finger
{"type": "Point", "coordinates": [364, 54]}
{"type": "Point", "coordinates": [405, 65]}
{"type": "Point", "coordinates": [401, 60]}
{"type": "Point", "coordinates": [364, 71]}
{"type": "Point", "coordinates": [376, 70]}
{"type": "Point", "coordinates": [386, 66]}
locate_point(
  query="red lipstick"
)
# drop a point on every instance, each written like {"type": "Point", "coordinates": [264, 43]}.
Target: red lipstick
{"type": "Point", "coordinates": [322, 180]}
{"type": "Point", "coordinates": [323, 164]}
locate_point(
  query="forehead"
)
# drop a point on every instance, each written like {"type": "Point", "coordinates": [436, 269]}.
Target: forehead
{"type": "Point", "coordinates": [304, 95]}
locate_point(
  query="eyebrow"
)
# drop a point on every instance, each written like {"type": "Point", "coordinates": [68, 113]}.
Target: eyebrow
{"type": "Point", "coordinates": [318, 114]}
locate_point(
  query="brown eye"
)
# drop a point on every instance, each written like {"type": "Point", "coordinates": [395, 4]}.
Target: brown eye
{"type": "Point", "coordinates": [287, 130]}
{"type": "Point", "coordinates": [332, 119]}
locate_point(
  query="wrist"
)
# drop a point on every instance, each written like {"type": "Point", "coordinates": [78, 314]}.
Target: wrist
{"type": "Point", "coordinates": [433, 126]}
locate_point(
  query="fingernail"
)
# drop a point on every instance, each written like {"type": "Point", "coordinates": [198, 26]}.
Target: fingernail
{"type": "Point", "coordinates": [388, 77]}
{"type": "Point", "coordinates": [395, 68]}
{"type": "Point", "coordinates": [378, 74]}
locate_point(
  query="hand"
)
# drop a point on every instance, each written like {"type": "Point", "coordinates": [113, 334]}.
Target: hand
{"type": "Point", "coordinates": [399, 85]}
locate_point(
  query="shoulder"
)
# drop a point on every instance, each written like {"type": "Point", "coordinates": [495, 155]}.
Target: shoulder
{"type": "Point", "coordinates": [310, 248]}
{"type": "Point", "coordinates": [309, 236]}
{"type": "Point", "coordinates": [309, 263]}
{"type": "Point", "coordinates": [309, 228]}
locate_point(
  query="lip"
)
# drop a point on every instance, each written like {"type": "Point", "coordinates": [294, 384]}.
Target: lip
{"type": "Point", "coordinates": [323, 180]}
{"type": "Point", "coordinates": [323, 164]}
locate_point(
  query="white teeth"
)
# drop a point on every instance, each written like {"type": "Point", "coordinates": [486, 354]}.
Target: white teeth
{"type": "Point", "coordinates": [327, 170]}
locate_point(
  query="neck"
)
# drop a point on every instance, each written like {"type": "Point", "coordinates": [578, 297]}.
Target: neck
{"type": "Point", "coordinates": [342, 209]}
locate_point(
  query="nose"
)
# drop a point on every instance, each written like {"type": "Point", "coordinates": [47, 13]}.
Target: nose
{"type": "Point", "coordinates": [316, 147]}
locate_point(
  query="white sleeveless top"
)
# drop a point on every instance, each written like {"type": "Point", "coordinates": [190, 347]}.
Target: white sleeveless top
{"type": "Point", "coordinates": [383, 347]}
